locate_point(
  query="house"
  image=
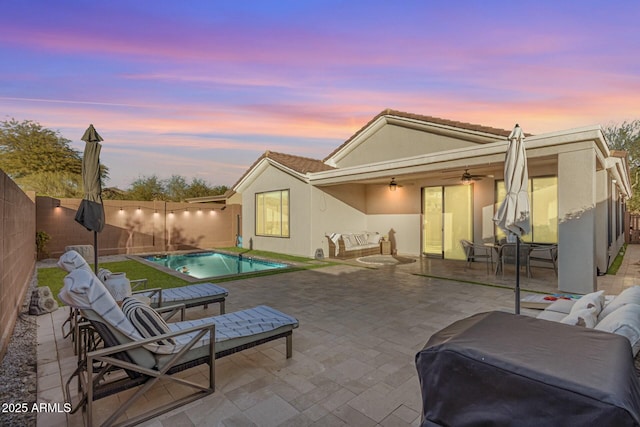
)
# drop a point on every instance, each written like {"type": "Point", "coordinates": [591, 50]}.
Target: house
{"type": "Point", "coordinates": [577, 191]}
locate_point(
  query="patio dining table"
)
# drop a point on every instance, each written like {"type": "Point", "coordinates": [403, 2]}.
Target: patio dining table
{"type": "Point", "coordinates": [543, 253]}
{"type": "Point", "coordinates": [507, 255]}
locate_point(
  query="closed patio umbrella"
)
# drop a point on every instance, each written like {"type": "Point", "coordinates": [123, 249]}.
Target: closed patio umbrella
{"type": "Point", "coordinates": [513, 216]}
{"type": "Point", "coordinates": [91, 211]}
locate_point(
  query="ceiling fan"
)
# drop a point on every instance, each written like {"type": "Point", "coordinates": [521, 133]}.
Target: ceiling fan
{"type": "Point", "coordinates": [467, 178]}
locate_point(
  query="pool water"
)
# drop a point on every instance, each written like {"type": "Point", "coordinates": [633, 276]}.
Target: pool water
{"type": "Point", "coordinates": [212, 264]}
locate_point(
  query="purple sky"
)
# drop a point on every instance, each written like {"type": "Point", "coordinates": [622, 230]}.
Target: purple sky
{"type": "Point", "coordinates": [202, 88]}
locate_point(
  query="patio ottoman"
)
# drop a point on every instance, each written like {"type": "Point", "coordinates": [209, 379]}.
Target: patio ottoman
{"type": "Point", "coordinates": [502, 369]}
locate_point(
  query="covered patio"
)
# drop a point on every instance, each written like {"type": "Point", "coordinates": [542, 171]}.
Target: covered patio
{"type": "Point", "coordinates": [426, 183]}
{"type": "Point", "coordinates": [353, 359]}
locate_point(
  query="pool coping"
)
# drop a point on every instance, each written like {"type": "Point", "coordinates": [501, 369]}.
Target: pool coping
{"type": "Point", "coordinates": [191, 279]}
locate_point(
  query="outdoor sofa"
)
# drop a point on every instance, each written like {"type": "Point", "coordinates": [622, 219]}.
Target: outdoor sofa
{"type": "Point", "coordinates": [354, 245]}
{"type": "Point", "coordinates": [619, 315]}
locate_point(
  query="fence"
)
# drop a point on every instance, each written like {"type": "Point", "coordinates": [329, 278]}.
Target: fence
{"type": "Point", "coordinates": [17, 253]}
{"type": "Point", "coordinates": [139, 227]}
{"type": "Point", "coordinates": [632, 228]}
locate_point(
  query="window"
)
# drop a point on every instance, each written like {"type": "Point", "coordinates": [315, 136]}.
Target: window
{"type": "Point", "coordinates": [543, 199]}
{"type": "Point", "coordinates": [272, 213]}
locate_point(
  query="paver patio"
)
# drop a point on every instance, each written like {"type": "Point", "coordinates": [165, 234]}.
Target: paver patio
{"type": "Point", "coordinates": [353, 360]}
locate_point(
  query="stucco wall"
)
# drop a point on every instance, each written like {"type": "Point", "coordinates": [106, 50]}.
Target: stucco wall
{"type": "Point", "coordinates": [406, 143]}
{"type": "Point", "coordinates": [577, 221]}
{"type": "Point", "coordinates": [17, 253]}
{"type": "Point", "coordinates": [332, 214]}
{"type": "Point", "coordinates": [137, 227]}
{"type": "Point", "coordinates": [272, 179]}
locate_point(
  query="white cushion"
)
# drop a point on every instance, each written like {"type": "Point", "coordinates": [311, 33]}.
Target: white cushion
{"type": "Point", "coordinates": [624, 321]}
{"type": "Point", "coordinates": [561, 305]}
{"type": "Point", "coordinates": [594, 299]}
{"type": "Point", "coordinates": [628, 296]}
{"type": "Point", "coordinates": [586, 317]}
{"type": "Point", "coordinates": [552, 316]}
{"type": "Point", "coordinates": [373, 238]}
{"type": "Point", "coordinates": [361, 238]}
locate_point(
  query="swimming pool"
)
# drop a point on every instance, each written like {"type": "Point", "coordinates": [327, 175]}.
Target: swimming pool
{"type": "Point", "coordinates": [202, 265]}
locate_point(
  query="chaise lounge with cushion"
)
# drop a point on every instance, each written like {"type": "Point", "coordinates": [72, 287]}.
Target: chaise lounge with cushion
{"type": "Point", "coordinates": [140, 348]}
{"type": "Point", "coordinates": [354, 245]}
{"type": "Point", "coordinates": [190, 295]}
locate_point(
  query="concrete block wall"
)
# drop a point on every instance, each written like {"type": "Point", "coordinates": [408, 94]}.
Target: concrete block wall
{"type": "Point", "coordinates": [139, 227]}
{"type": "Point", "coordinates": [17, 253]}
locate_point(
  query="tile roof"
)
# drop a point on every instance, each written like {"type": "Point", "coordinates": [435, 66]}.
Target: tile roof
{"type": "Point", "coordinates": [452, 123]}
{"type": "Point", "coordinates": [305, 165]}
{"type": "Point", "coordinates": [297, 163]}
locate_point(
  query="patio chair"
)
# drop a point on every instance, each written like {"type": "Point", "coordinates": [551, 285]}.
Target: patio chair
{"type": "Point", "coordinates": [507, 255]}
{"type": "Point", "coordinates": [476, 252]}
{"type": "Point", "coordinates": [140, 349]}
{"type": "Point", "coordinates": [545, 254]}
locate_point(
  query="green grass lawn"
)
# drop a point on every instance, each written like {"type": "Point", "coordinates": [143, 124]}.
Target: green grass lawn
{"type": "Point", "coordinates": [53, 277]}
{"type": "Point", "coordinates": [617, 262]}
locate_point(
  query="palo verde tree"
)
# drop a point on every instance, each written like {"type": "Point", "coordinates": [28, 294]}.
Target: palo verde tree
{"type": "Point", "coordinates": [39, 159]}
{"type": "Point", "coordinates": [626, 137]}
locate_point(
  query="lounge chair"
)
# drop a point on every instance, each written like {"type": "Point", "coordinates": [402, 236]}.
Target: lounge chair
{"type": "Point", "coordinates": [191, 295]}
{"type": "Point", "coordinates": [140, 349]}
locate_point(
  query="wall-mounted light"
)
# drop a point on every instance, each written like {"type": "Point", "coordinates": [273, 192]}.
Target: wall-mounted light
{"type": "Point", "coordinates": [55, 203]}
{"type": "Point", "coordinates": [224, 207]}
{"type": "Point", "coordinates": [393, 185]}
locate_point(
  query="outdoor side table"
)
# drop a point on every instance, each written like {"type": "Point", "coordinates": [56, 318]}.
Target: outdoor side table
{"type": "Point", "coordinates": [385, 247]}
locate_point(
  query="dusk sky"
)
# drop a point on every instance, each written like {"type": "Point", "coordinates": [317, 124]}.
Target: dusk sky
{"type": "Point", "coordinates": [203, 88]}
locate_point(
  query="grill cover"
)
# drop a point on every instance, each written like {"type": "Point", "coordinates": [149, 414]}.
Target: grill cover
{"type": "Point", "coordinates": [502, 369]}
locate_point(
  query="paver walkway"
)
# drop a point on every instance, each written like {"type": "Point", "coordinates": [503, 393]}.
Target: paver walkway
{"type": "Point", "coordinates": [353, 360]}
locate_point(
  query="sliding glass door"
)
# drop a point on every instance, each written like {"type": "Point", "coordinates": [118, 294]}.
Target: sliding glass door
{"type": "Point", "coordinates": [447, 218]}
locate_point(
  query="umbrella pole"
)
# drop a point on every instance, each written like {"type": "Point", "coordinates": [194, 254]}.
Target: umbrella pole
{"type": "Point", "coordinates": [517, 275]}
{"type": "Point", "coordinates": [95, 252]}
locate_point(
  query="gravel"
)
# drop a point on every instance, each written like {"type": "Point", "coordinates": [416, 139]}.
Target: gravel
{"type": "Point", "coordinates": [18, 369]}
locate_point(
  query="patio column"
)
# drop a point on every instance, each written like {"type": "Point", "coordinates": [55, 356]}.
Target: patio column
{"type": "Point", "coordinates": [577, 221]}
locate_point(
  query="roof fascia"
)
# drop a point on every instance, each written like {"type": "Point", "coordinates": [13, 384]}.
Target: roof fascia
{"type": "Point", "coordinates": [616, 166]}
{"type": "Point", "coordinates": [259, 168]}
{"type": "Point", "coordinates": [469, 156]}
